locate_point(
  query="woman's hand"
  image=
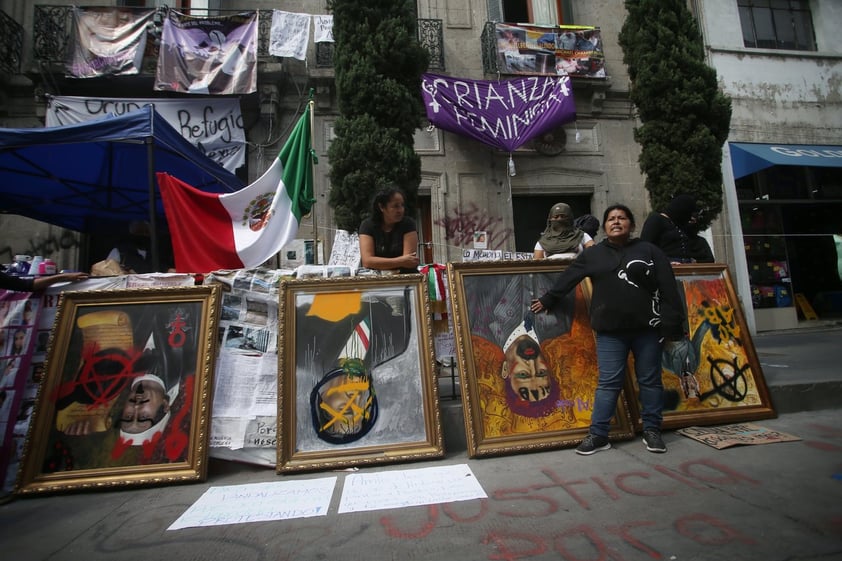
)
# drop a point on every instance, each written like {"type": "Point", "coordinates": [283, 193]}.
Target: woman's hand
{"type": "Point", "coordinates": [537, 307]}
{"type": "Point", "coordinates": [409, 261]}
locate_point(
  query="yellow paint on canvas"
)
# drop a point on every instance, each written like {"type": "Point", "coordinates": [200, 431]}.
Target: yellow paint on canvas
{"type": "Point", "coordinates": [335, 306]}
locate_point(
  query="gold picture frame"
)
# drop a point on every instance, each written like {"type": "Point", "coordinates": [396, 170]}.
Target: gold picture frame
{"type": "Point", "coordinates": [127, 396]}
{"type": "Point", "coordinates": [356, 383]}
{"type": "Point", "coordinates": [723, 381]}
{"type": "Point", "coordinates": [490, 302]}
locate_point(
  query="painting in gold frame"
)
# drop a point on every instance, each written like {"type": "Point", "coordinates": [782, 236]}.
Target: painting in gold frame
{"type": "Point", "coordinates": [356, 383]}
{"type": "Point", "coordinates": [127, 396]}
{"type": "Point", "coordinates": [510, 414]}
{"type": "Point", "coordinates": [721, 382]}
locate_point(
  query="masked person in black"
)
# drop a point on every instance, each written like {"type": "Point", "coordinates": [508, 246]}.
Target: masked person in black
{"type": "Point", "coordinates": [676, 232]}
{"type": "Point", "coordinates": [589, 224]}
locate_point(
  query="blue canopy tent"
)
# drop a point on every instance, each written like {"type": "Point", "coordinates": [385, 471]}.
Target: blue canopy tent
{"type": "Point", "coordinates": [81, 175]}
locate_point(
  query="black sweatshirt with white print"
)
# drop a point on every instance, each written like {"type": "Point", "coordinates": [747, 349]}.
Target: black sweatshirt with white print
{"type": "Point", "coordinates": [634, 288]}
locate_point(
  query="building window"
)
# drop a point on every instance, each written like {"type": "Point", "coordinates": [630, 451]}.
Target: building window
{"type": "Point", "coordinates": [540, 12]}
{"type": "Point", "coordinates": [777, 24]}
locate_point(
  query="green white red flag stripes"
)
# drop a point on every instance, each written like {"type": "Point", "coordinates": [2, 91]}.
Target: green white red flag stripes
{"type": "Point", "coordinates": [243, 229]}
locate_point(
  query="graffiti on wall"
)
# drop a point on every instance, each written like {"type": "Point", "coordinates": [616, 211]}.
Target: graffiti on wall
{"type": "Point", "coordinates": [47, 246]}
{"type": "Point", "coordinates": [460, 225]}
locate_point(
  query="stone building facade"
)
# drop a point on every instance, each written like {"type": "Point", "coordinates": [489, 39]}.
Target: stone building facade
{"type": "Point", "coordinates": [466, 186]}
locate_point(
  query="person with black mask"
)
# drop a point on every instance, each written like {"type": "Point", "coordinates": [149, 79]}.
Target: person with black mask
{"type": "Point", "coordinates": [589, 224]}
{"type": "Point", "coordinates": [133, 253]}
{"type": "Point", "coordinates": [676, 232]}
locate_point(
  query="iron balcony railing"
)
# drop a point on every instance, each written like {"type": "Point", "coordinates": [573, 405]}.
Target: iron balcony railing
{"type": "Point", "coordinates": [11, 44]}
{"type": "Point", "coordinates": [52, 33]}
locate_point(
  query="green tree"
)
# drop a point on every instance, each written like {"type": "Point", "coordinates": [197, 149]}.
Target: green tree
{"type": "Point", "coordinates": [378, 63]}
{"type": "Point", "coordinates": [684, 116]}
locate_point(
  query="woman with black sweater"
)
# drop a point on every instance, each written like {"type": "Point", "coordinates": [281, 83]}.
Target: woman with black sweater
{"type": "Point", "coordinates": [634, 308]}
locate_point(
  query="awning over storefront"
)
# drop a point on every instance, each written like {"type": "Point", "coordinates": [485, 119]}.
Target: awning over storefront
{"type": "Point", "coordinates": [748, 158]}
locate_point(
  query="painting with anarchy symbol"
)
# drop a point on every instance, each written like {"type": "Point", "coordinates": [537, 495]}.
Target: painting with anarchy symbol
{"type": "Point", "coordinates": [715, 377]}
{"type": "Point", "coordinates": [126, 398]}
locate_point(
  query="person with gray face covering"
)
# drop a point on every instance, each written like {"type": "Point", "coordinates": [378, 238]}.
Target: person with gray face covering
{"type": "Point", "coordinates": [561, 239]}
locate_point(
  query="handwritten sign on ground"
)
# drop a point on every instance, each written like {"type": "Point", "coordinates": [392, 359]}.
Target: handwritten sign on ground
{"type": "Point", "coordinates": [735, 435]}
{"type": "Point", "coordinates": [258, 502]}
{"type": "Point", "coordinates": [398, 489]}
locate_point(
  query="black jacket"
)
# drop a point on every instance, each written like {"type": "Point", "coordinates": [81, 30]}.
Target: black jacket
{"type": "Point", "coordinates": [634, 288]}
{"type": "Point", "coordinates": [679, 243]}
{"type": "Point", "coordinates": [9, 282]}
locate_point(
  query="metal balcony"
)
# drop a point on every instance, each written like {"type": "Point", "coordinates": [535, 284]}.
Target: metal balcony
{"type": "Point", "coordinates": [592, 90]}
{"type": "Point", "coordinates": [11, 45]}
{"type": "Point", "coordinates": [52, 34]}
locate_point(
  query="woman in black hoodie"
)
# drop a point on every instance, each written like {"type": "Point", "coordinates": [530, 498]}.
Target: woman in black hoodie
{"type": "Point", "coordinates": [635, 306]}
{"type": "Point", "coordinates": [676, 232]}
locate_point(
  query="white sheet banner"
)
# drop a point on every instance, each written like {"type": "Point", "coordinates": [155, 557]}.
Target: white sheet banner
{"type": "Point", "coordinates": [289, 35]}
{"type": "Point", "coordinates": [324, 29]}
{"type": "Point", "coordinates": [213, 125]}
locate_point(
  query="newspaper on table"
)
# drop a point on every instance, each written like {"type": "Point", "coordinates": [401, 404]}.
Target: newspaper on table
{"type": "Point", "coordinates": [301, 252]}
{"type": "Point", "coordinates": [245, 400]}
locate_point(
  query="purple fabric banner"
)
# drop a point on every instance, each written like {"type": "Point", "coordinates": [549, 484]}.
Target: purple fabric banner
{"type": "Point", "coordinates": [501, 113]}
{"type": "Point", "coordinates": [213, 55]}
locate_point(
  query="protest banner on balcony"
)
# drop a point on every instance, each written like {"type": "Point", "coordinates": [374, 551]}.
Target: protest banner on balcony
{"type": "Point", "coordinates": [575, 50]}
{"type": "Point", "coordinates": [106, 42]}
{"type": "Point", "coordinates": [211, 55]}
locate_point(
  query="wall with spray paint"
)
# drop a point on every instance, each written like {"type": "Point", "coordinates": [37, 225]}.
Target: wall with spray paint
{"type": "Point", "coordinates": [24, 236]}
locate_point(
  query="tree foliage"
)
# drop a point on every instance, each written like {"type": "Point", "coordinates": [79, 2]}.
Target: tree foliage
{"type": "Point", "coordinates": [378, 63]}
{"type": "Point", "coordinates": [684, 116]}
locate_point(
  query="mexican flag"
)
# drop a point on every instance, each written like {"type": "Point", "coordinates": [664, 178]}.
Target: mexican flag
{"type": "Point", "coordinates": [243, 229]}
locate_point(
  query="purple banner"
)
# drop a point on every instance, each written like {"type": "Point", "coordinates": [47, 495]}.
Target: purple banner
{"type": "Point", "coordinates": [213, 55]}
{"type": "Point", "coordinates": [501, 113]}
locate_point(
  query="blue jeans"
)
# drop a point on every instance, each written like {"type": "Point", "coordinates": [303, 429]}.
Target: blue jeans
{"type": "Point", "coordinates": [612, 353]}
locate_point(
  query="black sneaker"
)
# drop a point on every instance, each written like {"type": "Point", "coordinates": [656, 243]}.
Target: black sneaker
{"type": "Point", "coordinates": [593, 443]}
{"type": "Point", "coordinates": [653, 441]}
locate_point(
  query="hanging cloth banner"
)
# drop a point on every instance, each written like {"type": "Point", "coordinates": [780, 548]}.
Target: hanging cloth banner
{"type": "Point", "coordinates": [558, 49]}
{"type": "Point", "coordinates": [213, 55]}
{"type": "Point", "coordinates": [504, 114]}
{"type": "Point", "coordinates": [213, 125]}
{"type": "Point", "coordinates": [106, 42]}
{"type": "Point", "coordinates": [289, 35]}
{"type": "Point", "coordinates": [324, 29]}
